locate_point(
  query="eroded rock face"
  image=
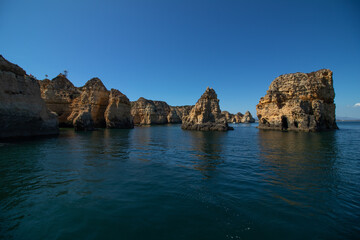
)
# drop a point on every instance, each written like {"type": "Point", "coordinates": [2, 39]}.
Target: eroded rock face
{"type": "Point", "coordinates": [59, 95]}
{"type": "Point", "coordinates": [147, 112]}
{"type": "Point", "coordinates": [118, 111]}
{"type": "Point", "coordinates": [239, 117]}
{"type": "Point", "coordinates": [74, 105]}
{"type": "Point", "coordinates": [177, 113]}
{"type": "Point", "coordinates": [96, 95]}
{"type": "Point", "coordinates": [22, 111]}
{"type": "Point", "coordinates": [83, 121]}
{"type": "Point", "coordinates": [299, 101]}
{"type": "Point", "coordinates": [206, 114]}
{"type": "Point", "coordinates": [247, 118]}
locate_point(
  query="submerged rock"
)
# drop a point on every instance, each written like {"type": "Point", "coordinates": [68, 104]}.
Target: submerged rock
{"type": "Point", "coordinates": [22, 111]}
{"type": "Point", "coordinates": [118, 111]}
{"type": "Point", "coordinates": [299, 101]}
{"type": "Point", "coordinates": [206, 114]}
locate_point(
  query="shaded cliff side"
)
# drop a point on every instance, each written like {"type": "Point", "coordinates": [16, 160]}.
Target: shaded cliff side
{"type": "Point", "coordinates": [22, 111]}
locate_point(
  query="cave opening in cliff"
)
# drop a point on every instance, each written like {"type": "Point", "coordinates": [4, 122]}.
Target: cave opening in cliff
{"type": "Point", "coordinates": [284, 123]}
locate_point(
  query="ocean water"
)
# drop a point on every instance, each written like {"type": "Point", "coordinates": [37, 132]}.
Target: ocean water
{"type": "Point", "coordinates": [161, 182]}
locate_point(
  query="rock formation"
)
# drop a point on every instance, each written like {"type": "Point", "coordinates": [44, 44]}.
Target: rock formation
{"type": "Point", "coordinates": [87, 107]}
{"type": "Point", "coordinates": [83, 121]}
{"type": "Point", "coordinates": [22, 111]}
{"type": "Point", "coordinates": [177, 113]}
{"type": "Point", "coordinates": [147, 112]}
{"type": "Point", "coordinates": [247, 118]}
{"type": "Point", "coordinates": [299, 101]}
{"type": "Point", "coordinates": [238, 118]}
{"type": "Point", "coordinates": [59, 95]}
{"type": "Point", "coordinates": [118, 111]}
{"type": "Point", "coordinates": [95, 94]}
{"type": "Point", "coordinates": [206, 114]}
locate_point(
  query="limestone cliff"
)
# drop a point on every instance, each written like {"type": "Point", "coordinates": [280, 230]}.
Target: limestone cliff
{"type": "Point", "coordinates": [83, 120]}
{"type": "Point", "coordinates": [247, 118]}
{"type": "Point", "coordinates": [177, 113]}
{"type": "Point", "coordinates": [299, 101]}
{"type": "Point", "coordinates": [118, 111]}
{"type": "Point", "coordinates": [94, 94]}
{"type": "Point", "coordinates": [239, 117]}
{"type": "Point", "coordinates": [147, 112]}
{"type": "Point", "coordinates": [59, 95]}
{"type": "Point", "coordinates": [206, 114]}
{"type": "Point", "coordinates": [22, 111]}
{"type": "Point", "coordinates": [86, 107]}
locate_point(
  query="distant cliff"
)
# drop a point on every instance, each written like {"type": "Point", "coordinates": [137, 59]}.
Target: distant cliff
{"type": "Point", "coordinates": [147, 112]}
{"type": "Point", "coordinates": [239, 117]}
{"type": "Point", "coordinates": [299, 101]}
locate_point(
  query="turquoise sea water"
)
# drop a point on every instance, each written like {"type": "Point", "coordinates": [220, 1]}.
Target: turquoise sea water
{"type": "Point", "coordinates": [161, 182]}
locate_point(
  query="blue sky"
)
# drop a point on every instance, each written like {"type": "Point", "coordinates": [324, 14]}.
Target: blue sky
{"type": "Point", "coordinates": [172, 50]}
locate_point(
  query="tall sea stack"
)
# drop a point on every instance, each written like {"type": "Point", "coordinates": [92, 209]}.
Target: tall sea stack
{"type": "Point", "coordinates": [299, 101]}
{"type": "Point", "coordinates": [206, 114]}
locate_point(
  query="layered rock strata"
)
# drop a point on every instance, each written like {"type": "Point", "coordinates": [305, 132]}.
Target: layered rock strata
{"type": "Point", "coordinates": [206, 114]}
{"type": "Point", "coordinates": [22, 111]}
{"type": "Point", "coordinates": [299, 101]}
{"type": "Point", "coordinates": [147, 112]}
{"type": "Point", "coordinates": [88, 107]}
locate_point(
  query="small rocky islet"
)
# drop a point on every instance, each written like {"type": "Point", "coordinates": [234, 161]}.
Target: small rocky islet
{"type": "Point", "coordinates": [299, 102]}
{"type": "Point", "coordinates": [206, 114]}
{"type": "Point", "coordinates": [30, 107]}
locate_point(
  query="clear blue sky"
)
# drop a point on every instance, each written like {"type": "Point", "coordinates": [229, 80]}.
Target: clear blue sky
{"type": "Point", "coordinates": [172, 50]}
